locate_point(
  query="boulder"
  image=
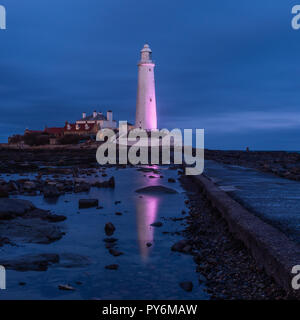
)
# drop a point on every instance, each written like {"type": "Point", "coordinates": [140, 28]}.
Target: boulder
{"type": "Point", "coordinates": [88, 203]}
{"type": "Point", "coordinates": [156, 224]}
{"type": "Point", "coordinates": [55, 218]}
{"type": "Point", "coordinates": [109, 228]}
{"type": "Point", "coordinates": [110, 240]}
{"type": "Point", "coordinates": [39, 262]}
{"type": "Point", "coordinates": [12, 186]}
{"type": "Point", "coordinates": [30, 230]}
{"type": "Point", "coordinates": [82, 187]}
{"type": "Point", "coordinates": [4, 241]}
{"type": "Point", "coordinates": [44, 215]}
{"type": "Point", "coordinates": [22, 221]}
{"type": "Point", "coordinates": [115, 253]}
{"type": "Point", "coordinates": [29, 185]}
{"type": "Point", "coordinates": [50, 191]}
{"type": "Point", "coordinates": [11, 208]}
{"type": "Point", "coordinates": [3, 192]}
{"type": "Point", "coordinates": [156, 190]}
{"type": "Point", "coordinates": [112, 267]}
{"type": "Point", "coordinates": [105, 184]}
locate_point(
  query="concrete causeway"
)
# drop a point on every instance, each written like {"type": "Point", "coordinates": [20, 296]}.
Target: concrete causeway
{"type": "Point", "coordinates": [260, 211]}
{"type": "Point", "coordinates": [273, 199]}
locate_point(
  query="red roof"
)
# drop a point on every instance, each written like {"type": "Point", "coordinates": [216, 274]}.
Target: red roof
{"type": "Point", "coordinates": [54, 130]}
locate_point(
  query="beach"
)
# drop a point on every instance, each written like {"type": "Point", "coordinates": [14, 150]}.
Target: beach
{"type": "Point", "coordinates": [116, 231]}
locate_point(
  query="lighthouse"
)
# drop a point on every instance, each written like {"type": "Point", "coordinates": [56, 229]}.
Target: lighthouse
{"type": "Point", "coordinates": [146, 102]}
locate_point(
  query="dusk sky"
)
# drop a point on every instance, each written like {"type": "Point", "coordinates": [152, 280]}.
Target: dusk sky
{"type": "Point", "coordinates": [231, 67]}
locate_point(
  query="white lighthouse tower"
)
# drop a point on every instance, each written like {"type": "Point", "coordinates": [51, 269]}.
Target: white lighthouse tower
{"type": "Point", "coordinates": [146, 102]}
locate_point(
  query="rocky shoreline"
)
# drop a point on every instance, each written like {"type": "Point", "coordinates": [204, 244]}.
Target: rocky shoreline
{"type": "Point", "coordinates": [280, 163]}
{"type": "Point", "coordinates": [21, 222]}
{"type": "Point", "coordinates": [12, 159]}
{"type": "Point", "coordinates": [224, 264]}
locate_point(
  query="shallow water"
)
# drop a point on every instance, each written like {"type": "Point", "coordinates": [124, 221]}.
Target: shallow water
{"type": "Point", "coordinates": [144, 273]}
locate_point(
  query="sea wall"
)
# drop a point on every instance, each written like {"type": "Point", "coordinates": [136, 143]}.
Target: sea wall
{"type": "Point", "coordinates": [272, 250]}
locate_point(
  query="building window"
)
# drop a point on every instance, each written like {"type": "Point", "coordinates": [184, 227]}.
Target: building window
{"type": "Point", "coordinates": [150, 99]}
{"type": "Point", "coordinates": [149, 69]}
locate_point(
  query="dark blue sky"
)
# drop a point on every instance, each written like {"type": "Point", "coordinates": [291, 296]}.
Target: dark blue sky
{"type": "Point", "coordinates": [231, 67]}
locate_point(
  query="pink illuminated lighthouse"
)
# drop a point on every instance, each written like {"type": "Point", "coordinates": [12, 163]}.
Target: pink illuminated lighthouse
{"type": "Point", "coordinates": [146, 101]}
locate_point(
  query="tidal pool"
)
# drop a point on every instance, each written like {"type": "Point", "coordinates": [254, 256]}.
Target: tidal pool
{"type": "Point", "coordinates": [144, 272]}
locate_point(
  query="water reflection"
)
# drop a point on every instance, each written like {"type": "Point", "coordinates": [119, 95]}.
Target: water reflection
{"type": "Point", "coordinates": [146, 214]}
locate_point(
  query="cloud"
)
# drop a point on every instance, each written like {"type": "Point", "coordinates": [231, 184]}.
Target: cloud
{"type": "Point", "coordinates": [235, 122]}
{"type": "Point", "coordinates": [228, 66]}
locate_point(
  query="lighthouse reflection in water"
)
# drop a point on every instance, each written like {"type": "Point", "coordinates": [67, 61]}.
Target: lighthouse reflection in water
{"type": "Point", "coordinates": [147, 207]}
{"type": "Point", "coordinates": [146, 214]}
